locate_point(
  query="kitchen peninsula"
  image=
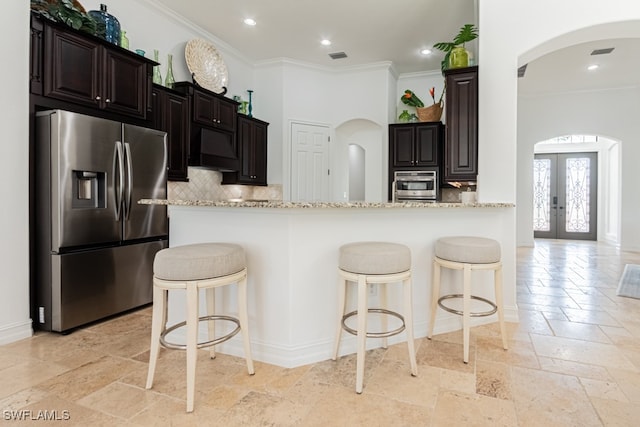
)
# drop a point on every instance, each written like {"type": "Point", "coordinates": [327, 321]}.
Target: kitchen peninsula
{"type": "Point", "coordinates": [292, 255]}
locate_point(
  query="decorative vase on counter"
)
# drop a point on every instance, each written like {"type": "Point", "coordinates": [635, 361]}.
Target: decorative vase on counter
{"type": "Point", "coordinates": [459, 57]}
{"type": "Point", "coordinates": [110, 22]}
{"type": "Point", "coordinates": [169, 81]}
{"type": "Point", "coordinates": [157, 77]}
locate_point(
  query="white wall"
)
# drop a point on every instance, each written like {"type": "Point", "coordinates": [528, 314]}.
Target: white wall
{"type": "Point", "coordinates": [14, 173]}
{"type": "Point", "coordinates": [613, 114]}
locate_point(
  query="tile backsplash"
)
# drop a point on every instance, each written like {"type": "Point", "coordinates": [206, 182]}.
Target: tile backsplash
{"type": "Point", "coordinates": [205, 184]}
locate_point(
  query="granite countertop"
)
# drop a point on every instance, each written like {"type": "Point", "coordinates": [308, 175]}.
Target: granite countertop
{"type": "Point", "coordinates": [279, 204]}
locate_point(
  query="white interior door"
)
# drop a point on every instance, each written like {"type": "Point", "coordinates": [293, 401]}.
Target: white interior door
{"type": "Point", "coordinates": [309, 163]}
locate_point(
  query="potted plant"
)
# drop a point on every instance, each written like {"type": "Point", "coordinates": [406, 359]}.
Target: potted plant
{"type": "Point", "coordinates": [456, 56]}
{"type": "Point", "coordinates": [68, 12]}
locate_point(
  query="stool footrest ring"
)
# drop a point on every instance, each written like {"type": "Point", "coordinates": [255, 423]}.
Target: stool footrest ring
{"type": "Point", "coordinates": [383, 334]}
{"type": "Point", "coordinates": [174, 346]}
{"type": "Point", "coordinates": [494, 307]}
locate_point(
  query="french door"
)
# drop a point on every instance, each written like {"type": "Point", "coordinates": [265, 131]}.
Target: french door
{"type": "Point", "coordinates": [565, 196]}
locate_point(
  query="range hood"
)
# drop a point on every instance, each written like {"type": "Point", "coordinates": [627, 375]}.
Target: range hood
{"type": "Point", "coordinates": [215, 150]}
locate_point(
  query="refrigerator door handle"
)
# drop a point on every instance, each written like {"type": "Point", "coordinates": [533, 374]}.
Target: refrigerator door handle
{"type": "Point", "coordinates": [127, 200]}
{"type": "Point", "coordinates": [118, 177]}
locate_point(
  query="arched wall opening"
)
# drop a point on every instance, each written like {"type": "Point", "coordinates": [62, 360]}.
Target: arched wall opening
{"type": "Point", "coordinates": [372, 166]}
{"type": "Point", "coordinates": [611, 113]}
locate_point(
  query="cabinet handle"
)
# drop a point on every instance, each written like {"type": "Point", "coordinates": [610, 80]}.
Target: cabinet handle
{"type": "Point", "coordinates": [98, 98]}
{"type": "Point", "coordinates": [107, 100]}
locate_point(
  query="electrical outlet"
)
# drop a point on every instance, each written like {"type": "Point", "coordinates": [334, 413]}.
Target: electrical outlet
{"type": "Point", "coordinates": [373, 290]}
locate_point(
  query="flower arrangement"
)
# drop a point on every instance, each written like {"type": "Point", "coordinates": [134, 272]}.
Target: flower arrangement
{"type": "Point", "coordinates": [411, 99]}
{"type": "Point", "coordinates": [431, 113]}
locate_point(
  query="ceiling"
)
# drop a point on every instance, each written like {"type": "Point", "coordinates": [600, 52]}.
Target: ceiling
{"type": "Point", "coordinates": [371, 31]}
{"type": "Point", "coordinates": [368, 31]}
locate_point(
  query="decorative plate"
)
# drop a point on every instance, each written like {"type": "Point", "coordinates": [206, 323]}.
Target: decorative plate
{"type": "Point", "coordinates": [206, 65]}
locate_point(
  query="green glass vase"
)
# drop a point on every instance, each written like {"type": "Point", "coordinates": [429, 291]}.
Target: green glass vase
{"type": "Point", "coordinates": [157, 76]}
{"type": "Point", "coordinates": [169, 81]}
{"type": "Point", "coordinates": [459, 57]}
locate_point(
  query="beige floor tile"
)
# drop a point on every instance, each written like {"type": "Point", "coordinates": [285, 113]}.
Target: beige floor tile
{"type": "Point", "coordinates": [445, 355]}
{"type": "Point", "coordinates": [603, 390]}
{"type": "Point", "coordinates": [613, 413]}
{"type": "Point", "coordinates": [119, 400]}
{"type": "Point", "coordinates": [27, 374]}
{"type": "Point", "coordinates": [629, 383]}
{"type": "Point", "coordinates": [78, 383]}
{"type": "Point", "coordinates": [581, 331]}
{"type": "Point", "coordinates": [493, 380]}
{"type": "Point", "coordinates": [392, 379]}
{"type": "Point", "coordinates": [458, 409]}
{"type": "Point", "coordinates": [576, 369]}
{"type": "Point", "coordinates": [344, 407]}
{"type": "Point", "coordinates": [580, 351]}
{"type": "Point", "coordinates": [545, 398]}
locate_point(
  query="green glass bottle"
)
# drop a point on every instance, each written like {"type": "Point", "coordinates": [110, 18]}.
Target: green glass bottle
{"type": "Point", "coordinates": [157, 77]}
{"type": "Point", "coordinates": [124, 40]}
{"type": "Point", "coordinates": [169, 81]}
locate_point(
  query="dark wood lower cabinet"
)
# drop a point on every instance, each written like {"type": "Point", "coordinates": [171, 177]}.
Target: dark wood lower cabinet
{"type": "Point", "coordinates": [252, 142]}
{"type": "Point", "coordinates": [171, 114]}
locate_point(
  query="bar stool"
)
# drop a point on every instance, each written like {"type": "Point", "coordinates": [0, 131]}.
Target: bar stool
{"type": "Point", "coordinates": [191, 268]}
{"type": "Point", "coordinates": [378, 263]}
{"type": "Point", "coordinates": [467, 254]}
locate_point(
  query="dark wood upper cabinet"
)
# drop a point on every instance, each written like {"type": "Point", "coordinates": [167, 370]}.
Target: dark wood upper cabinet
{"type": "Point", "coordinates": [171, 114]}
{"type": "Point", "coordinates": [81, 69]}
{"type": "Point", "coordinates": [215, 111]}
{"type": "Point", "coordinates": [413, 145]}
{"type": "Point", "coordinates": [252, 142]}
{"type": "Point", "coordinates": [461, 147]}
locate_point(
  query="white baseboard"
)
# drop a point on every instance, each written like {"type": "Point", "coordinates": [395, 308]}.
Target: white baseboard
{"type": "Point", "coordinates": [15, 332]}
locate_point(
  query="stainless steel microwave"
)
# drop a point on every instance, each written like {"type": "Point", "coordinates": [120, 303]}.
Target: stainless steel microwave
{"type": "Point", "coordinates": [415, 186]}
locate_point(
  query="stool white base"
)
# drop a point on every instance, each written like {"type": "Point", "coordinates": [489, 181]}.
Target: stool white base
{"type": "Point", "coordinates": [466, 297]}
{"type": "Point", "coordinates": [362, 280]}
{"type": "Point", "coordinates": [159, 322]}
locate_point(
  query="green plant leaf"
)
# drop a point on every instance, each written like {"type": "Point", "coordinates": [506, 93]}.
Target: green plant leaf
{"type": "Point", "coordinates": [467, 33]}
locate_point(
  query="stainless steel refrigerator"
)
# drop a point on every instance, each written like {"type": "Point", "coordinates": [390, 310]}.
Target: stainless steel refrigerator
{"type": "Point", "coordinates": [94, 243]}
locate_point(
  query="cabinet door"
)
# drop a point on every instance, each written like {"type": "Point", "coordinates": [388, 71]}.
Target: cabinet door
{"type": "Point", "coordinates": [125, 84]}
{"type": "Point", "coordinates": [461, 149]}
{"type": "Point", "coordinates": [401, 140]}
{"type": "Point", "coordinates": [426, 145]}
{"type": "Point", "coordinates": [72, 67]}
{"type": "Point", "coordinates": [226, 115]}
{"type": "Point", "coordinates": [203, 109]}
{"type": "Point", "coordinates": [176, 119]}
{"type": "Point", "coordinates": [252, 140]}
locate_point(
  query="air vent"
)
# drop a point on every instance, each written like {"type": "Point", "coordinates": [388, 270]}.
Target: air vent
{"type": "Point", "coordinates": [522, 70]}
{"type": "Point", "coordinates": [338, 55]}
{"type": "Point", "coordinates": [602, 51]}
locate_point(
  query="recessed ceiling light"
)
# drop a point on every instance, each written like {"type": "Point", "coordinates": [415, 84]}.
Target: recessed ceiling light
{"type": "Point", "coordinates": [425, 51]}
{"type": "Point", "coordinates": [325, 42]}
{"type": "Point", "coordinates": [250, 22]}
{"type": "Point", "coordinates": [592, 67]}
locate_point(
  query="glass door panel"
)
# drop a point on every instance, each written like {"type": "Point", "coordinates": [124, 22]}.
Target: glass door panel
{"type": "Point", "coordinates": [564, 189]}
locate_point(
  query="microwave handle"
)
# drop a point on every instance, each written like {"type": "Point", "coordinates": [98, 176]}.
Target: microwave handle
{"type": "Point", "coordinates": [393, 192]}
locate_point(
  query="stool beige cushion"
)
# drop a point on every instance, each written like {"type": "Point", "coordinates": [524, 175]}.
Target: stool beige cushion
{"type": "Point", "coordinates": [468, 250]}
{"type": "Point", "coordinates": [374, 258]}
{"type": "Point", "coordinates": [198, 261]}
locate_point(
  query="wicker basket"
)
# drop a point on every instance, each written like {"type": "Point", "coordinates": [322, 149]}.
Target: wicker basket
{"type": "Point", "coordinates": [431, 113]}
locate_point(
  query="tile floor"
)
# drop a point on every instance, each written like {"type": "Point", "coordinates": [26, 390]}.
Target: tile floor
{"type": "Point", "coordinates": [574, 360]}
